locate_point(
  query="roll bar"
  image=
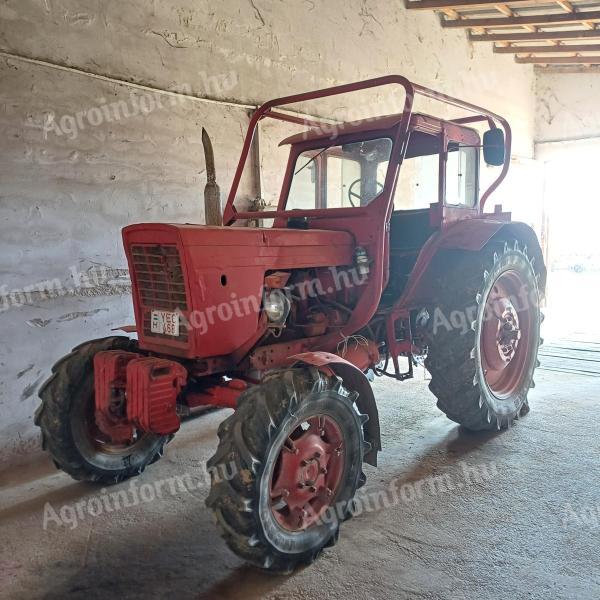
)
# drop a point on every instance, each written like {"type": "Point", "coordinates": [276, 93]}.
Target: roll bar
{"type": "Point", "coordinates": [411, 89]}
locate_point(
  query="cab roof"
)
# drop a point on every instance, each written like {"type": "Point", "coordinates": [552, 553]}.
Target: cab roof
{"type": "Point", "coordinates": [420, 121]}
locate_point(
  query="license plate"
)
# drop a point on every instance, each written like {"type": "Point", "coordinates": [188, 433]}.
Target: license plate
{"type": "Point", "coordinates": [164, 322]}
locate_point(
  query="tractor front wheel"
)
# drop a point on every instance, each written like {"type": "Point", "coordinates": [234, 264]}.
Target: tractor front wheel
{"type": "Point", "coordinates": [484, 335]}
{"type": "Point", "coordinates": [288, 464]}
{"type": "Point", "coordinates": [69, 430]}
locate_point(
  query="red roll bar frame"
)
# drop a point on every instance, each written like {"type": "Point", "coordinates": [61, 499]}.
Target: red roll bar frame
{"type": "Point", "coordinates": [411, 89]}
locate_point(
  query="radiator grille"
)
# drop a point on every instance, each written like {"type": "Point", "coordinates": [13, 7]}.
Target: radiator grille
{"type": "Point", "coordinates": [160, 284]}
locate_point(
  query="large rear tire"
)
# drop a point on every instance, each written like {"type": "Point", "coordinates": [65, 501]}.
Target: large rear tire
{"type": "Point", "coordinates": [293, 453]}
{"type": "Point", "coordinates": [484, 335]}
{"type": "Point", "coordinates": [69, 431]}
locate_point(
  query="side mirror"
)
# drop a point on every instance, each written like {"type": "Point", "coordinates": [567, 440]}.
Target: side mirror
{"type": "Point", "coordinates": [493, 147]}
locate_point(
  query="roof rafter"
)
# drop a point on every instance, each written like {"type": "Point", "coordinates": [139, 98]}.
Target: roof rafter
{"type": "Point", "coordinates": [559, 60]}
{"type": "Point", "coordinates": [546, 49]}
{"type": "Point", "coordinates": [543, 20]}
{"type": "Point", "coordinates": [546, 36]}
{"type": "Point", "coordinates": [508, 22]}
{"type": "Point", "coordinates": [457, 4]}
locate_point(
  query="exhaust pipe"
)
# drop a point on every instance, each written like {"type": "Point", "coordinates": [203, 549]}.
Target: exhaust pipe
{"type": "Point", "coordinates": [212, 193]}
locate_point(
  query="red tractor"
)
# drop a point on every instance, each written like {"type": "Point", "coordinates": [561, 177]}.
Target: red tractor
{"type": "Point", "coordinates": [379, 251]}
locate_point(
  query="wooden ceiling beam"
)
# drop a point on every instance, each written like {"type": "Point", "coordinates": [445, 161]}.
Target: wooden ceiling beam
{"type": "Point", "coordinates": [453, 14]}
{"type": "Point", "coordinates": [569, 68]}
{"type": "Point", "coordinates": [459, 4]}
{"type": "Point", "coordinates": [559, 60]}
{"type": "Point", "coordinates": [508, 12]}
{"type": "Point", "coordinates": [530, 25]}
{"type": "Point", "coordinates": [546, 49]}
{"type": "Point", "coordinates": [566, 5]}
{"type": "Point", "coordinates": [546, 36]}
{"type": "Point", "coordinates": [540, 20]}
{"type": "Point", "coordinates": [450, 12]}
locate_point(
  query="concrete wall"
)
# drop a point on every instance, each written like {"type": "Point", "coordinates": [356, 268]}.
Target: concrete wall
{"type": "Point", "coordinates": [70, 177]}
{"type": "Point", "coordinates": [567, 106]}
{"type": "Point", "coordinates": [567, 125]}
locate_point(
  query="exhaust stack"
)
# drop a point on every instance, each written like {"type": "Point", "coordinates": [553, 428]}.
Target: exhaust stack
{"type": "Point", "coordinates": [212, 193]}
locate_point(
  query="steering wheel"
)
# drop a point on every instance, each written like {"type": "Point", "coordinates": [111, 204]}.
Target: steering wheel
{"type": "Point", "coordinates": [353, 194]}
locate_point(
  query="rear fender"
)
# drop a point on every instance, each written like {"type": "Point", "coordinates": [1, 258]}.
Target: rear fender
{"type": "Point", "coordinates": [474, 234]}
{"type": "Point", "coordinates": [355, 380]}
{"type": "Point", "coordinates": [470, 235]}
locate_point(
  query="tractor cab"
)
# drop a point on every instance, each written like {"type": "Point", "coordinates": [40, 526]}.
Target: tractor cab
{"type": "Point", "coordinates": [348, 169]}
{"type": "Point", "coordinates": [438, 180]}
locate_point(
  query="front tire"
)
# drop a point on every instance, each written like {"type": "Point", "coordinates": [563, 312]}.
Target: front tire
{"type": "Point", "coordinates": [69, 432]}
{"type": "Point", "coordinates": [293, 453]}
{"type": "Point", "coordinates": [484, 336]}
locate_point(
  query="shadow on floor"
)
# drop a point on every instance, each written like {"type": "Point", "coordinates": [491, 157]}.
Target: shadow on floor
{"type": "Point", "coordinates": [173, 549]}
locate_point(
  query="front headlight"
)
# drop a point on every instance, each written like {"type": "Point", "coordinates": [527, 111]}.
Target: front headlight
{"type": "Point", "coordinates": [277, 306]}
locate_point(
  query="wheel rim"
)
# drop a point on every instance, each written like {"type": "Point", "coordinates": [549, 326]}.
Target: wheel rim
{"type": "Point", "coordinates": [506, 335]}
{"type": "Point", "coordinates": [307, 473]}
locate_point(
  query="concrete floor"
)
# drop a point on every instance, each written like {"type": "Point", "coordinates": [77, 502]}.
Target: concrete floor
{"type": "Point", "coordinates": [525, 528]}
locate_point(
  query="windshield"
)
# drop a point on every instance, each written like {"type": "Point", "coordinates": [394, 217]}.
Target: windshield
{"type": "Point", "coordinates": [340, 175]}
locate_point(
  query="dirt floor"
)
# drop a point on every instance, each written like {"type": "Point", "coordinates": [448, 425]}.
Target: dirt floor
{"type": "Point", "coordinates": [447, 515]}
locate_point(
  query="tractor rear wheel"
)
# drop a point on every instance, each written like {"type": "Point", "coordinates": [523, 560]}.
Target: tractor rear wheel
{"type": "Point", "coordinates": [288, 464]}
{"type": "Point", "coordinates": [69, 430]}
{"type": "Point", "coordinates": [484, 335]}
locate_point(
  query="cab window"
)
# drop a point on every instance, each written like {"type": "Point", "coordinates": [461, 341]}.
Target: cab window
{"type": "Point", "coordinates": [418, 182]}
{"type": "Point", "coordinates": [461, 175]}
{"type": "Point", "coordinates": [340, 175]}
{"type": "Point", "coordinates": [418, 185]}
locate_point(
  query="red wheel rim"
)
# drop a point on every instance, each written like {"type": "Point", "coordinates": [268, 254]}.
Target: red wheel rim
{"type": "Point", "coordinates": [307, 473]}
{"type": "Point", "coordinates": [506, 341]}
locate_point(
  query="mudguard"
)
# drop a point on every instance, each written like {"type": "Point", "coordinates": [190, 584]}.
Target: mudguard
{"type": "Point", "coordinates": [354, 379]}
{"type": "Point", "coordinates": [471, 235]}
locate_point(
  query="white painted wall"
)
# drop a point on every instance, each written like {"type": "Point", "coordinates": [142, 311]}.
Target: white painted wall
{"type": "Point", "coordinates": [567, 106]}
{"type": "Point", "coordinates": [65, 194]}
